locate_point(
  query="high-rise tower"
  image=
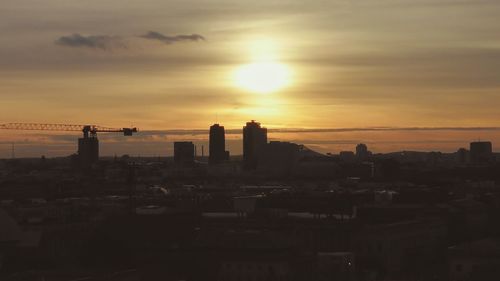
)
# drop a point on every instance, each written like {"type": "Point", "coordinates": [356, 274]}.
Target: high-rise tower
{"type": "Point", "coordinates": [217, 145]}
{"type": "Point", "coordinates": [254, 138]}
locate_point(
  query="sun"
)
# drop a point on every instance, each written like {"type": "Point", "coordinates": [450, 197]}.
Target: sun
{"type": "Point", "coordinates": [262, 77]}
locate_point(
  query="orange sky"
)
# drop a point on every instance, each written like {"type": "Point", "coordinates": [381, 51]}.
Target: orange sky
{"type": "Point", "coordinates": [387, 63]}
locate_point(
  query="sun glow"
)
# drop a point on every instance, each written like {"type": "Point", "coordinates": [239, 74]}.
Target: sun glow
{"type": "Point", "coordinates": [262, 77]}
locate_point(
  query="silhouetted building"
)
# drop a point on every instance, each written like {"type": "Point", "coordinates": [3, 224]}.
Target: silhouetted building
{"type": "Point", "coordinates": [183, 153]}
{"type": "Point", "coordinates": [347, 156]}
{"type": "Point", "coordinates": [88, 151]}
{"type": "Point", "coordinates": [481, 152]}
{"type": "Point", "coordinates": [278, 158]}
{"type": "Point", "coordinates": [362, 151]}
{"type": "Point", "coordinates": [217, 153]}
{"type": "Point", "coordinates": [254, 138]}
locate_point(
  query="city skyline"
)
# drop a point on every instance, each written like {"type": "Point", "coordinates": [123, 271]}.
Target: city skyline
{"type": "Point", "coordinates": [324, 140]}
{"type": "Point", "coordinates": [264, 140]}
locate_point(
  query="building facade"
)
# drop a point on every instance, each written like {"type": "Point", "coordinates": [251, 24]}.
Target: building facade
{"type": "Point", "coordinates": [254, 139]}
{"type": "Point", "coordinates": [481, 152]}
{"type": "Point", "coordinates": [183, 153]}
{"type": "Point", "coordinates": [217, 145]}
{"type": "Point", "coordinates": [88, 151]}
{"type": "Point", "coordinates": [362, 152]}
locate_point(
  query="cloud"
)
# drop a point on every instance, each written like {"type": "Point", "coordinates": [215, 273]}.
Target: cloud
{"type": "Point", "coordinates": [104, 42]}
{"type": "Point", "coordinates": [108, 42]}
{"type": "Point", "coordinates": [152, 35]}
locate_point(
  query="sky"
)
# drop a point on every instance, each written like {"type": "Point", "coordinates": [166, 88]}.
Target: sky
{"type": "Point", "coordinates": [165, 66]}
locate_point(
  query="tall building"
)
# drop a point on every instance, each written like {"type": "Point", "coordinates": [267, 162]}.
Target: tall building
{"type": "Point", "coordinates": [88, 151]}
{"type": "Point", "coordinates": [217, 145]}
{"type": "Point", "coordinates": [362, 151]}
{"type": "Point", "coordinates": [183, 153]}
{"type": "Point", "coordinates": [254, 138]}
{"type": "Point", "coordinates": [481, 152]}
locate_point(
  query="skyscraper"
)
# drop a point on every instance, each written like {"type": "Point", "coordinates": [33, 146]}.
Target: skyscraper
{"type": "Point", "coordinates": [254, 138]}
{"type": "Point", "coordinates": [217, 153]}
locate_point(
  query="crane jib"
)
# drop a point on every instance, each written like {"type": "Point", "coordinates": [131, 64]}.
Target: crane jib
{"type": "Point", "coordinates": [86, 129]}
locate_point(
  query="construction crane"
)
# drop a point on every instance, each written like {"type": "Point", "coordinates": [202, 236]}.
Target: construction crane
{"type": "Point", "coordinates": [88, 130]}
{"type": "Point", "coordinates": [88, 146]}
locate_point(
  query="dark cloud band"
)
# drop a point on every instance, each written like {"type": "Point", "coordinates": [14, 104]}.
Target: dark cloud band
{"type": "Point", "coordinates": [107, 42]}
{"type": "Point", "coordinates": [103, 42]}
{"type": "Point", "coordinates": [153, 35]}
